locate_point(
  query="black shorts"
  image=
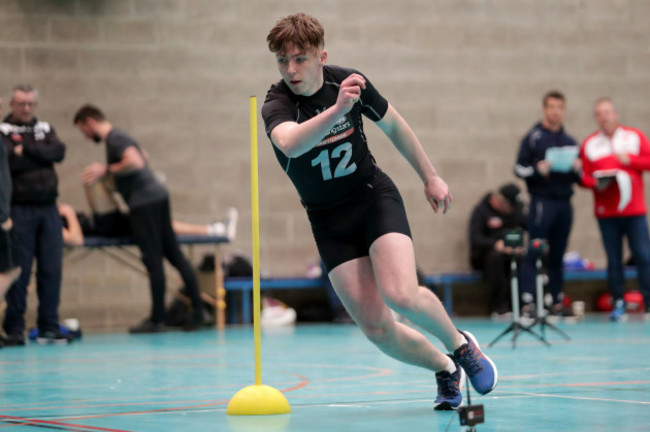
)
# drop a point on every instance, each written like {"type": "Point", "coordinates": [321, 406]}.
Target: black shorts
{"type": "Point", "coordinates": [345, 232]}
{"type": "Point", "coordinates": [9, 251]}
{"type": "Point", "coordinates": [114, 224]}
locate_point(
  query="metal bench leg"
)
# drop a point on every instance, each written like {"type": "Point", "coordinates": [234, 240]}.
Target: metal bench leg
{"type": "Point", "coordinates": [220, 291]}
{"type": "Point", "coordinates": [246, 306]}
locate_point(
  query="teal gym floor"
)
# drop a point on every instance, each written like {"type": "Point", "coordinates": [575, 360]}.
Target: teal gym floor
{"type": "Point", "coordinates": [333, 378]}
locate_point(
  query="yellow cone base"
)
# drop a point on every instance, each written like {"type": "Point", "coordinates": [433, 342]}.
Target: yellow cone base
{"type": "Point", "coordinates": [258, 400]}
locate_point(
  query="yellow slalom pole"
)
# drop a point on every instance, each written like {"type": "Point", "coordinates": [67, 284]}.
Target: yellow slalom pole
{"type": "Point", "coordinates": [257, 399]}
{"type": "Point", "coordinates": [255, 205]}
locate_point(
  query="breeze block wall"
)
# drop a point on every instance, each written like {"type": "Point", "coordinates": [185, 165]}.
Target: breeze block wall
{"type": "Point", "coordinates": [177, 74]}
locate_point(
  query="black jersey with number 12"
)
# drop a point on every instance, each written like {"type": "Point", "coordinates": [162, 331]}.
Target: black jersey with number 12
{"type": "Point", "coordinates": [332, 172]}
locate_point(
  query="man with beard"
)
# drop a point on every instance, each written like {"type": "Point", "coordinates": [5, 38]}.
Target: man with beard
{"type": "Point", "coordinates": [149, 213]}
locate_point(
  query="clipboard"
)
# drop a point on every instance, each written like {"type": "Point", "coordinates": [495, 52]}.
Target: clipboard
{"type": "Point", "coordinates": [561, 158]}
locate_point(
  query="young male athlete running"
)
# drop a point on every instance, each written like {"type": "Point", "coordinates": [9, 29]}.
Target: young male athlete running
{"type": "Point", "coordinates": [313, 118]}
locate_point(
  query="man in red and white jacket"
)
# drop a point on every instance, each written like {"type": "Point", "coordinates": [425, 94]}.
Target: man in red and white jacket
{"type": "Point", "coordinates": [613, 161]}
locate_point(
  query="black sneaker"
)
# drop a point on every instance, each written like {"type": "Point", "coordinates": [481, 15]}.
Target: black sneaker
{"type": "Point", "coordinates": [53, 338]}
{"type": "Point", "coordinates": [449, 389]}
{"type": "Point", "coordinates": [14, 339]}
{"type": "Point", "coordinates": [196, 323]}
{"type": "Point", "coordinates": [147, 326]}
{"type": "Point", "coordinates": [560, 312]}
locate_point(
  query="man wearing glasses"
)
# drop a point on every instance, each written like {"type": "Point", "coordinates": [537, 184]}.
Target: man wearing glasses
{"type": "Point", "coordinates": [33, 148]}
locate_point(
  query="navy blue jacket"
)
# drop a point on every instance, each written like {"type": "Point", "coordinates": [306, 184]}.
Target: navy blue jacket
{"type": "Point", "coordinates": [533, 148]}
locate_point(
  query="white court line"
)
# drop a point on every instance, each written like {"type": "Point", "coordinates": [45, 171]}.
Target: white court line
{"type": "Point", "coordinates": [363, 404]}
{"type": "Point", "coordinates": [356, 404]}
{"type": "Point", "coordinates": [525, 394]}
{"type": "Point", "coordinates": [581, 372]}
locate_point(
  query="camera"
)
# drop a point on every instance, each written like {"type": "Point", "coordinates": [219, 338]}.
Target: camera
{"type": "Point", "coordinates": [513, 238]}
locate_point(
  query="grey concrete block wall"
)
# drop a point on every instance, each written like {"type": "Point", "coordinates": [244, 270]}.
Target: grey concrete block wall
{"type": "Point", "coordinates": [468, 75]}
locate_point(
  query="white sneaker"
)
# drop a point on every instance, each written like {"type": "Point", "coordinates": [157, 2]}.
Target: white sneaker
{"type": "Point", "coordinates": [276, 314]}
{"type": "Point", "coordinates": [227, 227]}
{"type": "Point", "coordinates": [230, 223]}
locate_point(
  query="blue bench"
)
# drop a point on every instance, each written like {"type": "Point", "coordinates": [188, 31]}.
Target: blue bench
{"type": "Point", "coordinates": [244, 285]}
{"type": "Point", "coordinates": [447, 280]}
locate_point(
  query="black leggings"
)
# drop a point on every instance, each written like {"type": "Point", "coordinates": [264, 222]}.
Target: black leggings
{"type": "Point", "coordinates": [154, 235]}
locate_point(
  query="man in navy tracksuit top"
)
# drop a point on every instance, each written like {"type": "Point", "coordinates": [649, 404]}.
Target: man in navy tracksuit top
{"type": "Point", "coordinates": [550, 214]}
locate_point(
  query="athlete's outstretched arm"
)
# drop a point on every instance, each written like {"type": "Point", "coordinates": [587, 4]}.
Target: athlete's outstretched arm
{"type": "Point", "coordinates": [403, 137]}
{"type": "Point", "coordinates": [295, 139]}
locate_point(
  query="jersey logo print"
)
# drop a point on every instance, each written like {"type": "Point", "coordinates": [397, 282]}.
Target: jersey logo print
{"type": "Point", "coordinates": [341, 130]}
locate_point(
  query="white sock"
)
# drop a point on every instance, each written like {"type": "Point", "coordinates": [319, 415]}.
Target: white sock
{"type": "Point", "coordinates": [216, 229]}
{"type": "Point", "coordinates": [451, 366]}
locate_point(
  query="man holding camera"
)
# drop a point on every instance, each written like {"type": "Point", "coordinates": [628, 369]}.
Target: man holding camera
{"type": "Point", "coordinates": [497, 214]}
{"type": "Point", "coordinates": [550, 214]}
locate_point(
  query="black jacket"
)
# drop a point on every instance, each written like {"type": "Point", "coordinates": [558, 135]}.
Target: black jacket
{"type": "Point", "coordinates": [487, 226]}
{"type": "Point", "coordinates": [33, 176]}
{"type": "Point", "coordinates": [5, 183]}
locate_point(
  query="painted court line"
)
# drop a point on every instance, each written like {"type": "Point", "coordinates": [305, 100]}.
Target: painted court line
{"type": "Point", "coordinates": [545, 395]}
{"type": "Point", "coordinates": [21, 421]}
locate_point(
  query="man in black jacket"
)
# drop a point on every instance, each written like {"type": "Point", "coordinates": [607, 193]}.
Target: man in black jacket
{"type": "Point", "coordinates": [497, 213]}
{"type": "Point", "coordinates": [33, 148]}
{"type": "Point", "coordinates": [9, 268]}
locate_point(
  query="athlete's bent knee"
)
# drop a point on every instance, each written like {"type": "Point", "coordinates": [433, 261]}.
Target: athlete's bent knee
{"type": "Point", "coordinates": [401, 302]}
{"type": "Point", "coordinates": [378, 334]}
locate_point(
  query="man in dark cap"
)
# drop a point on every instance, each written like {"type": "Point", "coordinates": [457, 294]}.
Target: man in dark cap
{"type": "Point", "coordinates": [497, 213]}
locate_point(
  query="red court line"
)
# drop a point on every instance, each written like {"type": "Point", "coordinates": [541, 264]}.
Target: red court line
{"type": "Point", "coordinates": [25, 421]}
{"type": "Point", "coordinates": [304, 381]}
{"type": "Point", "coordinates": [379, 372]}
{"type": "Point", "coordinates": [105, 405]}
{"type": "Point", "coordinates": [138, 412]}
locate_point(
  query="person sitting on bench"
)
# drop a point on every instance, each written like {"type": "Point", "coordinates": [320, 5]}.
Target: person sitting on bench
{"type": "Point", "coordinates": [108, 217]}
{"type": "Point", "coordinates": [149, 213]}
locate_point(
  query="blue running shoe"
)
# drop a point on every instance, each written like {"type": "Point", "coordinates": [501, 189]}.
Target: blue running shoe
{"type": "Point", "coordinates": [618, 314]}
{"type": "Point", "coordinates": [449, 389]}
{"type": "Point", "coordinates": [481, 370]}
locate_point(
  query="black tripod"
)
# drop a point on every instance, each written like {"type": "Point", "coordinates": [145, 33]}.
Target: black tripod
{"type": "Point", "coordinates": [515, 327]}
{"type": "Point", "coordinates": [539, 287]}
